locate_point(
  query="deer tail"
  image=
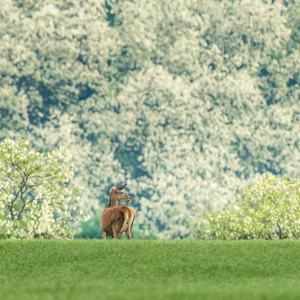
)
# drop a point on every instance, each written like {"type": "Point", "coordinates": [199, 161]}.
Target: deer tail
{"type": "Point", "coordinates": [126, 217]}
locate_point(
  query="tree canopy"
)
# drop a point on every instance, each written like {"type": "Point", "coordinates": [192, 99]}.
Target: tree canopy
{"type": "Point", "coordinates": [184, 100]}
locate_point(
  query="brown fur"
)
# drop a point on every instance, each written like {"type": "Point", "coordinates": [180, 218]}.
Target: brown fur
{"type": "Point", "coordinates": [115, 220]}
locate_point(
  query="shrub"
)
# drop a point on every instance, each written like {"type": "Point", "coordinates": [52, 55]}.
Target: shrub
{"type": "Point", "coordinates": [269, 209]}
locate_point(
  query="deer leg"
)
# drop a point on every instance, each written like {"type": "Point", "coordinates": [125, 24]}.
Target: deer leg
{"type": "Point", "coordinates": [116, 234]}
{"type": "Point", "coordinates": [128, 234]}
{"type": "Point", "coordinates": [103, 235]}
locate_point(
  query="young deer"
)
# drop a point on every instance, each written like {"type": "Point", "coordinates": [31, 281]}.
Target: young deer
{"type": "Point", "coordinates": [115, 220]}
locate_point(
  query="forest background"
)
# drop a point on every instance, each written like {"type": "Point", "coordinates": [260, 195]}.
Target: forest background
{"type": "Point", "coordinates": [182, 99]}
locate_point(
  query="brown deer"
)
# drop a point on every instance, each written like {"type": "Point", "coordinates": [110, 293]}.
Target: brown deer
{"type": "Point", "coordinates": [115, 220]}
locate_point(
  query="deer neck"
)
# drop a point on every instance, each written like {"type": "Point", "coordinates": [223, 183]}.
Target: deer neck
{"type": "Point", "coordinates": [113, 202]}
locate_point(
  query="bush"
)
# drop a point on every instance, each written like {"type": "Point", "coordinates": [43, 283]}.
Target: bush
{"type": "Point", "coordinates": [36, 200]}
{"type": "Point", "coordinates": [269, 209]}
{"type": "Point", "coordinates": [90, 229]}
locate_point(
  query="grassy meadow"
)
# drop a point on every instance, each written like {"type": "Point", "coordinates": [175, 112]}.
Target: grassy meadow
{"type": "Point", "coordinates": [181, 269]}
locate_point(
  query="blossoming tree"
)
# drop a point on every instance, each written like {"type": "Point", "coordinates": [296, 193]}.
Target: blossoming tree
{"type": "Point", "coordinates": [36, 199]}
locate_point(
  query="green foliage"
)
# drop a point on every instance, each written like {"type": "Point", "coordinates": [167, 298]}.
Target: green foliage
{"type": "Point", "coordinates": [184, 100]}
{"type": "Point", "coordinates": [35, 199]}
{"type": "Point", "coordinates": [149, 270]}
{"type": "Point", "coordinates": [269, 209]}
{"type": "Point", "coordinates": [91, 228]}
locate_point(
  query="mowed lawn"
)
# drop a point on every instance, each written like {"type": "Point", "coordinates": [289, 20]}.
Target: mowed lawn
{"type": "Point", "coordinates": [94, 269]}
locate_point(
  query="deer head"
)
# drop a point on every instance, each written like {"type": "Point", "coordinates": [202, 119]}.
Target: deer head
{"type": "Point", "coordinates": [116, 194]}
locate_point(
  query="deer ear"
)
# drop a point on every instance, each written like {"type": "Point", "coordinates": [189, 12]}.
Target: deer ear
{"type": "Point", "coordinates": [121, 187]}
{"type": "Point", "coordinates": [112, 188]}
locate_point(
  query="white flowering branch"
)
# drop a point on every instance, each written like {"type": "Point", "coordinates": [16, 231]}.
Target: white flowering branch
{"type": "Point", "coordinates": [36, 199]}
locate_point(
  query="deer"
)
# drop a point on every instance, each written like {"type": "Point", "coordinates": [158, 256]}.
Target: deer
{"type": "Point", "coordinates": [115, 220]}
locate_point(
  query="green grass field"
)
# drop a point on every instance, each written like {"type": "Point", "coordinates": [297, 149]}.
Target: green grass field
{"type": "Point", "coordinates": [93, 269]}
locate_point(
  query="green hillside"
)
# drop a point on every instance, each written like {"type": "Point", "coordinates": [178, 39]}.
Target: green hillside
{"type": "Point", "coordinates": [183, 100]}
{"type": "Point", "coordinates": [149, 270]}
